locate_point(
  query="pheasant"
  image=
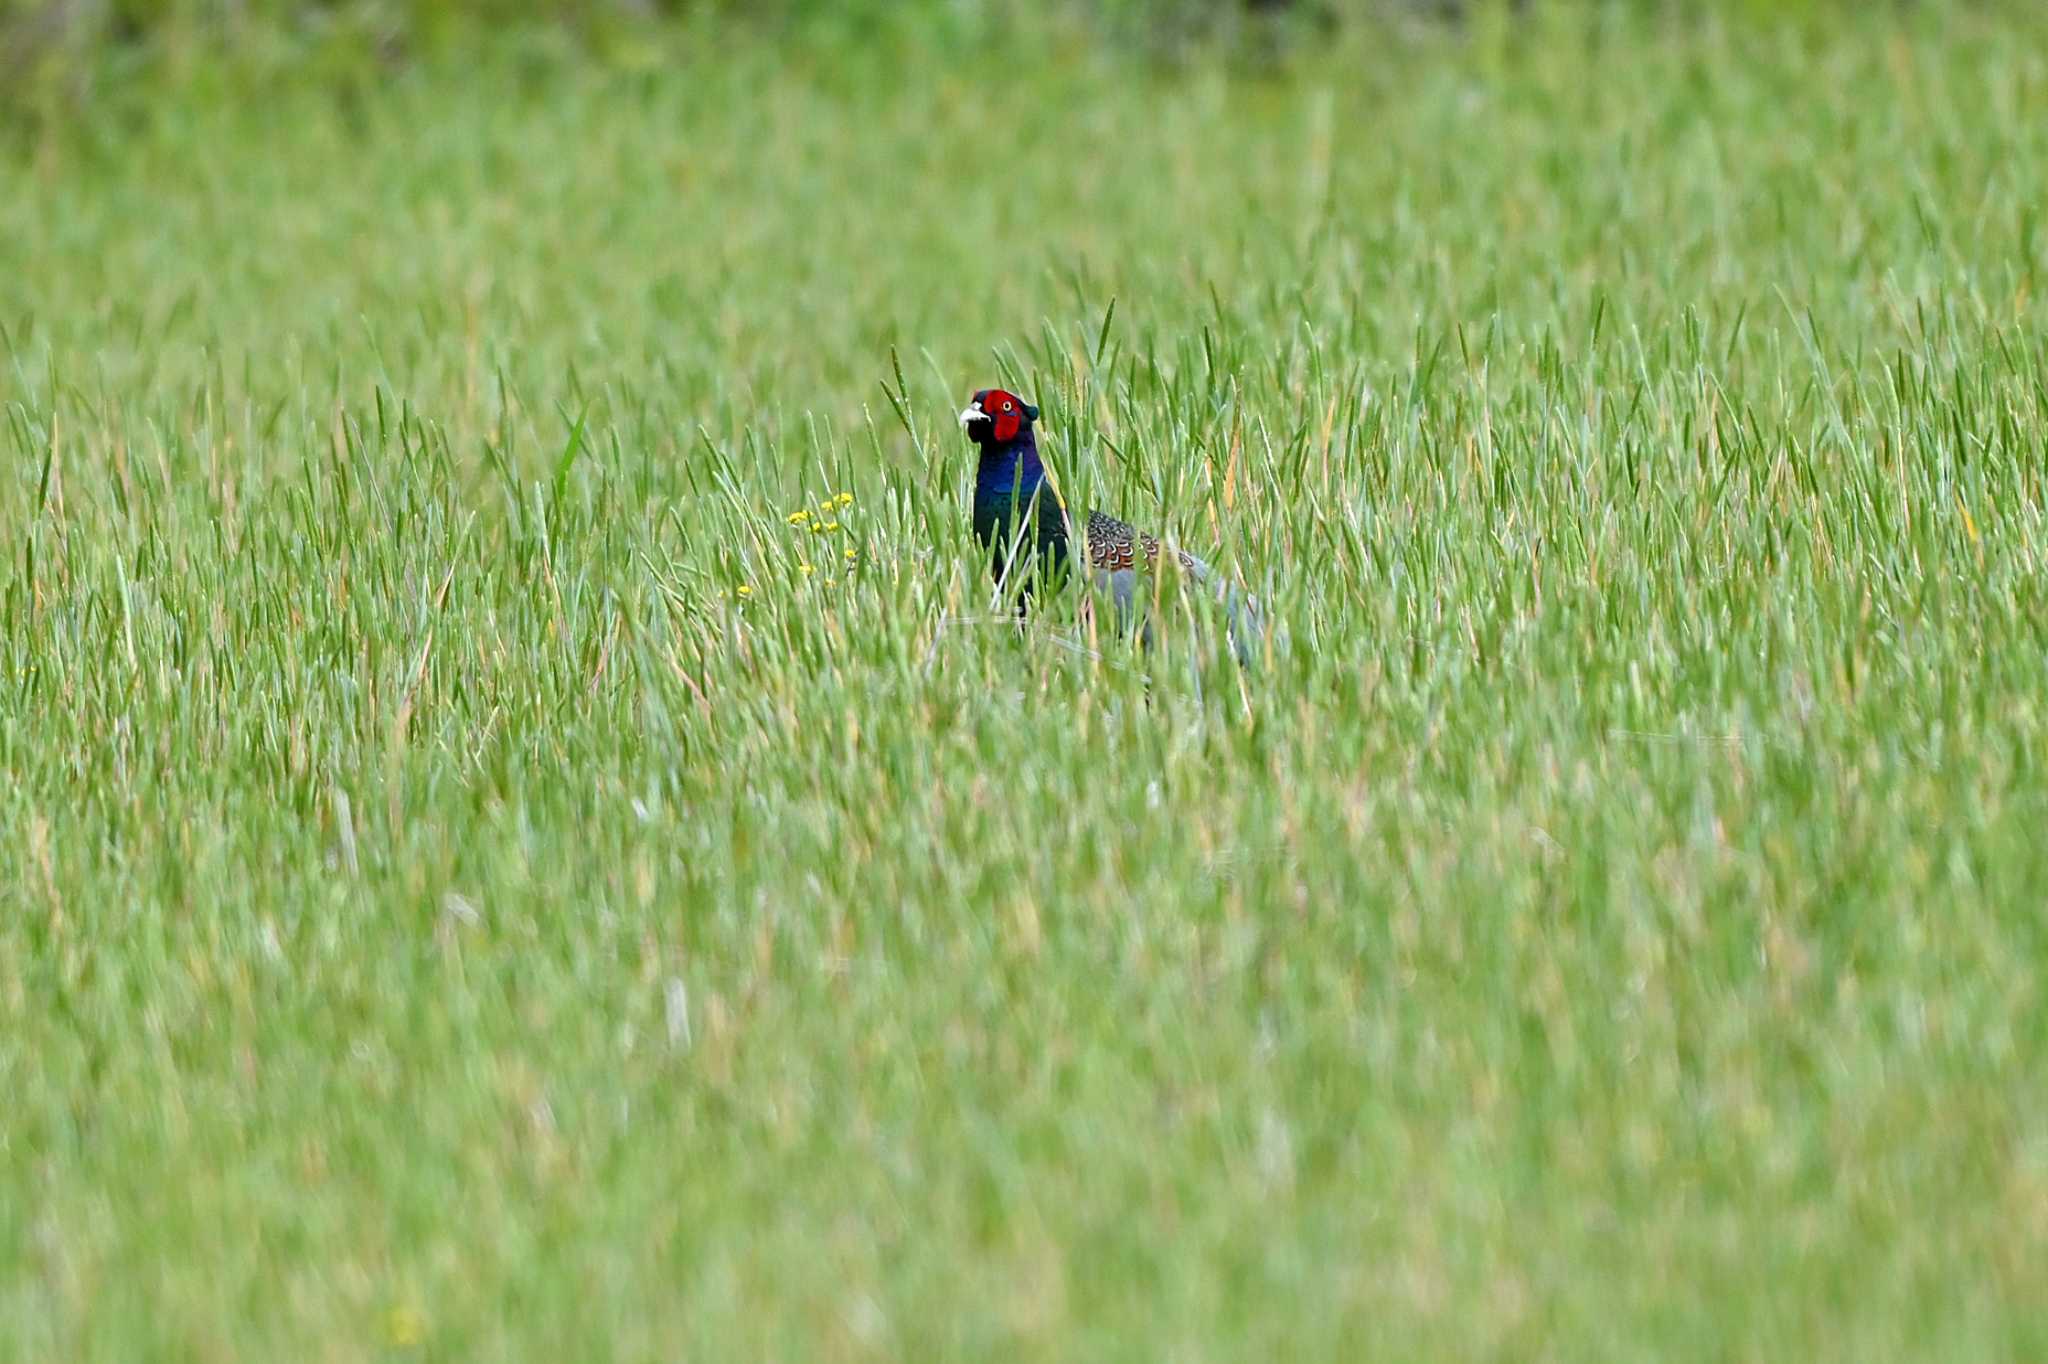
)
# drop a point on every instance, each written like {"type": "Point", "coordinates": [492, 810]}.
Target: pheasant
{"type": "Point", "coordinates": [1010, 490]}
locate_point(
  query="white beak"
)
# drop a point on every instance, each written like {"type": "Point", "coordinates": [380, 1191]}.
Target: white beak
{"type": "Point", "coordinates": [971, 414]}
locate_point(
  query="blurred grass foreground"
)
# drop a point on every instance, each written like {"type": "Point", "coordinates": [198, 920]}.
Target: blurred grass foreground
{"type": "Point", "coordinates": [526, 838]}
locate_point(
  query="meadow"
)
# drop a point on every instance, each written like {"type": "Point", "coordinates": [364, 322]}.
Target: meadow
{"type": "Point", "coordinates": [525, 837]}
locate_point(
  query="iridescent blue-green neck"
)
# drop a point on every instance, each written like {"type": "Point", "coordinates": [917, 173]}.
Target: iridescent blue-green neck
{"type": "Point", "coordinates": [1009, 484]}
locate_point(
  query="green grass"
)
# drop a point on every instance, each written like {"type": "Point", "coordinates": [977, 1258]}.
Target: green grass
{"type": "Point", "coordinates": [442, 917]}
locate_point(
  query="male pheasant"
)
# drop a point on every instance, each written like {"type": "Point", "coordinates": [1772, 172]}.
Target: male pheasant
{"type": "Point", "coordinates": [1010, 493]}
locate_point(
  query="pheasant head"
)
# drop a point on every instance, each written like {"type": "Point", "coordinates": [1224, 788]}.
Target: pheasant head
{"type": "Point", "coordinates": [995, 418]}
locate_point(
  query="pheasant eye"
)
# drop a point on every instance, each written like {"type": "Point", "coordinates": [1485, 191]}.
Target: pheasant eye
{"type": "Point", "coordinates": [1007, 407]}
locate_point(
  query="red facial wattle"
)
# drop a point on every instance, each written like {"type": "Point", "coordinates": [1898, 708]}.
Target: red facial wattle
{"type": "Point", "coordinates": [1007, 413]}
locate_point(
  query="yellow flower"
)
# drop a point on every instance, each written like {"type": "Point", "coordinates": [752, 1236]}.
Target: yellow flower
{"type": "Point", "coordinates": [831, 525]}
{"type": "Point", "coordinates": [819, 527]}
{"type": "Point", "coordinates": [797, 518]}
{"type": "Point", "coordinates": [844, 499]}
{"type": "Point", "coordinates": [746, 591]}
{"type": "Point", "coordinates": [852, 554]}
{"type": "Point", "coordinates": [831, 582]}
{"type": "Point", "coordinates": [805, 569]}
{"type": "Point", "coordinates": [404, 1327]}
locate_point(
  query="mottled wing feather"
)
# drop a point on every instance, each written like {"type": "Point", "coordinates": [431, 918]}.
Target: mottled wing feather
{"type": "Point", "coordinates": [1114, 545]}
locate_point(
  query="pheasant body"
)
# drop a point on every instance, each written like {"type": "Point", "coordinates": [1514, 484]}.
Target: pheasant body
{"type": "Point", "coordinates": [1011, 493]}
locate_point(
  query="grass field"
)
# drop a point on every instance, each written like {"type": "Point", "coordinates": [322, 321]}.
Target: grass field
{"type": "Point", "coordinates": [470, 892]}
